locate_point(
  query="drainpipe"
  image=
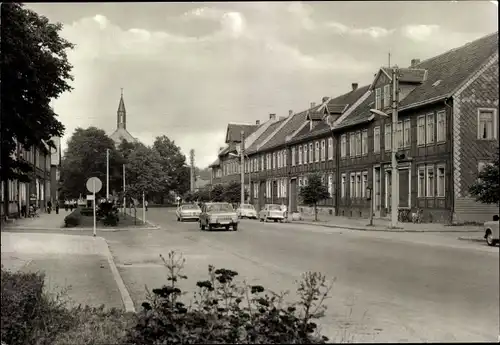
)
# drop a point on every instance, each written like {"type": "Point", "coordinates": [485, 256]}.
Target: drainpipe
{"type": "Point", "coordinates": [452, 201]}
{"type": "Point", "coordinates": [337, 172]}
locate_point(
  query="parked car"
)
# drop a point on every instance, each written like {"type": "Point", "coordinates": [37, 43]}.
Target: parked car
{"type": "Point", "coordinates": [272, 212]}
{"type": "Point", "coordinates": [246, 211]}
{"type": "Point", "coordinates": [188, 212]}
{"type": "Point", "coordinates": [491, 231]}
{"type": "Point", "coordinates": [217, 215]}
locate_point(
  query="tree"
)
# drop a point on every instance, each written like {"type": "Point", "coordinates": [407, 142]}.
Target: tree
{"type": "Point", "coordinates": [144, 172]}
{"type": "Point", "coordinates": [217, 193]}
{"type": "Point", "coordinates": [173, 163]}
{"type": "Point", "coordinates": [232, 192]}
{"type": "Point", "coordinates": [35, 70]}
{"type": "Point", "coordinates": [486, 188]}
{"type": "Point", "coordinates": [314, 192]}
{"type": "Point", "coordinates": [204, 174]}
{"type": "Point", "coordinates": [85, 157]}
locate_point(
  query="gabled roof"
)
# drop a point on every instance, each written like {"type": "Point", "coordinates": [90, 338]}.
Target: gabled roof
{"type": "Point", "coordinates": [216, 163]}
{"type": "Point", "coordinates": [408, 75]}
{"type": "Point", "coordinates": [264, 136]}
{"type": "Point", "coordinates": [233, 133]}
{"type": "Point", "coordinates": [452, 68]}
{"type": "Point", "coordinates": [335, 108]}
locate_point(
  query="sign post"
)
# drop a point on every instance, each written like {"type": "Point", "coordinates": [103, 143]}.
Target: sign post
{"type": "Point", "coordinates": [143, 209]}
{"type": "Point", "coordinates": [94, 185]}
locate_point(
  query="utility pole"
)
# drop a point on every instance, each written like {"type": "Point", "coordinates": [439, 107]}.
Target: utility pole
{"type": "Point", "coordinates": [107, 174]}
{"type": "Point", "coordinates": [192, 168]}
{"type": "Point", "coordinates": [124, 199]}
{"type": "Point", "coordinates": [394, 177]}
{"type": "Point", "coordinates": [242, 168]}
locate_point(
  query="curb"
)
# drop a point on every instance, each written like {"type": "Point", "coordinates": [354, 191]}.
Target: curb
{"type": "Point", "coordinates": [78, 229]}
{"type": "Point", "coordinates": [376, 229]}
{"type": "Point", "coordinates": [472, 239]}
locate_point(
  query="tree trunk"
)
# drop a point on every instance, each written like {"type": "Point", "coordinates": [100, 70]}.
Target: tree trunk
{"type": "Point", "coordinates": [315, 212]}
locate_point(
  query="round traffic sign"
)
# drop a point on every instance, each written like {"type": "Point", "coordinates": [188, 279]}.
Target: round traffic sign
{"type": "Point", "coordinates": [94, 185]}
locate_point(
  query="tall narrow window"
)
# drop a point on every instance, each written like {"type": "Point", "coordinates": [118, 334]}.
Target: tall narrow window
{"type": "Point", "coordinates": [440, 181]}
{"type": "Point", "coordinates": [441, 126]}
{"type": "Point", "coordinates": [330, 148]}
{"type": "Point", "coordinates": [305, 154]}
{"type": "Point", "coordinates": [364, 142]}
{"type": "Point", "coordinates": [421, 130]}
{"type": "Point", "coordinates": [284, 154]}
{"type": "Point", "coordinates": [330, 185]}
{"type": "Point", "coordinates": [430, 181]}
{"type": "Point", "coordinates": [316, 151]}
{"type": "Point", "coordinates": [358, 185]}
{"type": "Point", "coordinates": [378, 99]}
{"type": "Point", "coordinates": [406, 133]}
{"type": "Point", "coordinates": [300, 155]}
{"type": "Point", "coordinates": [486, 124]}
{"type": "Point", "coordinates": [343, 185]}
{"type": "Point", "coordinates": [430, 129]}
{"type": "Point", "coordinates": [311, 153]}
{"type": "Point", "coordinates": [343, 145]}
{"type": "Point", "coordinates": [364, 184]}
{"type": "Point", "coordinates": [388, 137]}
{"type": "Point", "coordinates": [358, 144]}
{"type": "Point", "coordinates": [421, 181]}
{"type": "Point", "coordinates": [399, 135]}
{"type": "Point", "coordinates": [352, 146]}
{"type": "Point", "coordinates": [323, 150]}
{"type": "Point", "coordinates": [278, 154]}
{"type": "Point", "coordinates": [352, 187]}
{"type": "Point", "coordinates": [376, 139]}
{"type": "Point", "coordinates": [293, 156]}
{"type": "Point", "coordinates": [387, 96]}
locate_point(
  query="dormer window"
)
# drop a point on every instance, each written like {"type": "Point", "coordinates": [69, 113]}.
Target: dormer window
{"type": "Point", "coordinates": [378, 99]}
{"type": "Point", "coordinates": [387, 96]}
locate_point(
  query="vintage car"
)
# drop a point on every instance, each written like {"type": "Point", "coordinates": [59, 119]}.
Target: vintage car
{"type": "Point", "coordinates": [491, 231]}
{"type": "Point", "coordinates": [217, 215]}
{"type": "Point", "coordinates": [188, 212]}
{"type": "Point", "coordinates": [246, 211]}
{"type": "Point", "coordinates": [272, 212]}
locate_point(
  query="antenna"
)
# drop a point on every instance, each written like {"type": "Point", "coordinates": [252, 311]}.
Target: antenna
{"type": "Point", "coordinates": [389, 59]}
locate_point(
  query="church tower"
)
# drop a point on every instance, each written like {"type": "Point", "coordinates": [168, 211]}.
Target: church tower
{"type": "Point", "coordinates": [121, 132]}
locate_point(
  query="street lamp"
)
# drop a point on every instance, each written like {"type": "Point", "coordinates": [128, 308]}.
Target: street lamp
{"type": "Point", "coordinates": [107, 174]}
{"type": "Point", "coordinates": [394, 150]}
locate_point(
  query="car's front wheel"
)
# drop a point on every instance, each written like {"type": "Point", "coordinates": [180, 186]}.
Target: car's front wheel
{"type": "Point", "coordinates": [235, 227]}
{"type": "Point", "coordinates": [489, 238]}
{"type": "Point", "coordinates": [202, 227]}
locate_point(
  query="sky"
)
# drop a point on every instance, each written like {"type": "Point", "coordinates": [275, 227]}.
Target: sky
{"type": "Point", "coordinates": [188, 69]}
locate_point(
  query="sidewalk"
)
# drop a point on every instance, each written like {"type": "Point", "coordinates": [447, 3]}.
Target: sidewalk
{"type": "Point", "coordinates": [44, 222]}
{"type": "Point", "coordinates": [383, 225]}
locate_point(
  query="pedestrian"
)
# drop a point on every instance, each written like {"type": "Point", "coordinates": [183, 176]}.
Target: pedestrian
{"type": "Point", "coordinates": [49, 206]}
{"type": "Point", "coordinates": [66, 205]}
{"type": "Point", "coordinates": [146, 205]}
{"type": "Point", "coordinates": [71, 205]}
{"type": "Point", "coordinates": [57, 206]}
{"type": "Point", "coordinates": [284, 209]}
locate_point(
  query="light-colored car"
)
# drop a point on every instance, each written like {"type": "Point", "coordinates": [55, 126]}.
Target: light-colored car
{"type": "Point", "coordinates": [246, 211]}
{"type": "Point", "coordinates": [218, 215]}
{"type": "Point", "coordinates": [491, 231]}
{"type": "Point", "coordinates": [272, 212]}
{"type": "Point", "coordinates": [188, 212]}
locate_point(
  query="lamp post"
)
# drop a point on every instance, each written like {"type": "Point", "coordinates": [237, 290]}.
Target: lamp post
{"type": "Point", "coordinates": [107, 174]}
{"type": "Point", "coordinates": [243, 178]}
{"type": "Point", "coordinates": [394, 149]}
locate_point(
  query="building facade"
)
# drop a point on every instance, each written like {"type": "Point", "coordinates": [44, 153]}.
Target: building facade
{"type": "Point", "coordinates": [447, 130]}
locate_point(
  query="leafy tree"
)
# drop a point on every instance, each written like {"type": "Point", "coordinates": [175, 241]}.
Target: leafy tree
{"type": "Point", "coordinates": [203, 174]}
{"type": "Point", "coordinates": [143, 172]}
{"type": "Point", "coordinates": [85, 157]}
{"type": "Point", "coordinates": [232, 192]}
{"type": "Point", "coordinates": [217, 193]}
{"type": "Point", "coordinates": [486, 188]}
{"type": "Point", "coordinates": [204, 195]}
{"type": "Point", "coordinates": [314, 192]}
{"type": "Point", "coordinates": [125, 148]}
{"type": "Point", "coordinates": [35, 70]}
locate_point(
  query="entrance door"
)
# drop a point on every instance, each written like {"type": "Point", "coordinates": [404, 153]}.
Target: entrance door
{"type": "Point", "coordinates": [404, 191]}
{"type": "Point", "coordinates": [262, 191]}
{"type": "Point", "coordinates": [293, 195]}
{"type": "Point", "coordinates": [388, 190]}
{"type": "Point", "coordinates": [376, 192]}
{"type": "Point", "coordinates": [274, 192]}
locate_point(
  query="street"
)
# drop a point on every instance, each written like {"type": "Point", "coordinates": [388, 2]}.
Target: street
{"type": "Point", "coordinates": [389, 287]}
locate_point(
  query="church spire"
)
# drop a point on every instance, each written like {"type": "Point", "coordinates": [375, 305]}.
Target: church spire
{"type": "Point", "coordinates": [121, 114]}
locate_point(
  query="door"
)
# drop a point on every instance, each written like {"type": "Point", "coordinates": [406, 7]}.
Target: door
{"type": "Point", "coordinates": [250, 196]}
{"type": "Point", "coordinates": [376, 192]}
{"type": "Point", "coordinates": [274, 192]}
{"type": "Point", "coordinates": [293, 195]}
{"type": "Point", "coordinates": [388, 190]}
{"type": "Point", "coordinates": [404, 188]}
{"type": "Point", "coordinates": [262, 190]}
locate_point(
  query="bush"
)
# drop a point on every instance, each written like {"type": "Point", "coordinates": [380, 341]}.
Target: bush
{"type": "Point", "coordinates": [108, 213]}
{"type": "Point", "coordinates": [73, 219]}
{"type": "Point", "coordinates": [87, 211]}
{"type": "Point", "coordinates": [226, 312]}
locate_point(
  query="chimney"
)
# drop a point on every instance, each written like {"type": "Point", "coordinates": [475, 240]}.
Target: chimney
{"type": "Point", "coordinates": [257, 122]}
{"type": "Point", "coordinates": [313, 104]}
{"type": "Point", "coordinates": [221, 148]}
{"type": "Point", "coordinates": [290, 112]}
{"type": "Point", "coordinates": [414, 62]}
{"type": "Point", "coordinates": [324, 99]}
{"type": "Point", "coordinates": [354, 86]}
{"type": "Point", "coordinates": [272, 117]}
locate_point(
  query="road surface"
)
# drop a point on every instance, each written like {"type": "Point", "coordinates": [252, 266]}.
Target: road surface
{"type": "Point", "coordinates": [390, 287]}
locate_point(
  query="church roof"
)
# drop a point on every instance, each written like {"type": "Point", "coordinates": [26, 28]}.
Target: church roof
{"type": "Point", "coordinates": [121, 105]}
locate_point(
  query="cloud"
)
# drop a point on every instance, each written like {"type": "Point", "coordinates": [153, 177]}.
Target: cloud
{"type": "Point", "coordinates": [420, 32]}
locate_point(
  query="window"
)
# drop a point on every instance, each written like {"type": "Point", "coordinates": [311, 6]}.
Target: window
{"type": "Point", "coordinates": [343, 185]}
{"type": "Point", "coordinates": [406, 134]}
{"type": "Point", "coordinates": [388, 137]}
{"type": "Point", "coordinates": [376, 139]}
{"type": "Point", "coordinates": [358, 185]}
{"type": "Point", "coordinates": [482, 165]}
{"type": "Point", "coordinates": [421, 130]}
{"type": "Point", "coordinates": [293, 156]}
{"type": "Point", "coordinates": [364, 184]}
{"type": "Point", "coordinates": [305, 154]}
{"type": "Point", "coordinates": [430, 181]}
{"type": "Point", "coordinates": [343, 145]}
{"type": "Point", "coordinates": [280, 159]}
{"type": "Point", "coordinates": [358, 144]}
{"type": "Point", "coordinates": [274, 160]}
{"type": "Point", "coordinates": [352, 146]}
{"type": "Point", "coordinates": [441, 126]}
{"type": "Point", "coordinates": [399, 135]}
{"type": "Point", "coordinates": [311, 153]}
{"type": "Point", "coordinates": [316, 151]}
{"type": "Point", "coordinates": [440, 181]}
{"type": "Point", "coordinates": [378, 100]}
{"type": "Point", "coordinates": [330, 185]}
{"type": "Point", "coordinates": [300, 181]}
{"type": "Point", "coordinates": [323, 150]}
{"type": "Point", "coordinates": [352, 189]}
{"type": "Point", "coordinates": [486, 124]}
{"type": "Point", "coordinates": [430, 129]}
{"type": "Point", "coordinates": [387, 96]}
{"type": "Point", "coordinates": [262, 166]}
{"type": "Point", "coordinates": [305, 181]}
{"type": "Point", "coordinates": [421, 181]}
{"type": "Point", "coordinates": [300, 155]}
{"type": "Point", "coordinates": [330, 148]}
{"type": "Point", "coordinates": [364, 142]}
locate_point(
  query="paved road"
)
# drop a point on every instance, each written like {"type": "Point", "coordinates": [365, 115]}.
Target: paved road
{"type": "Point", "coordinates": [389, 287]}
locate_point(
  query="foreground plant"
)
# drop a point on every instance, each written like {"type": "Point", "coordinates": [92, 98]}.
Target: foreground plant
{"type": "Point", "coordinates": [223, 311]}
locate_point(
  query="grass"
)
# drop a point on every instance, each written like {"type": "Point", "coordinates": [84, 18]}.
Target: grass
{"type": "Point", "coordinates": [124, 222]}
